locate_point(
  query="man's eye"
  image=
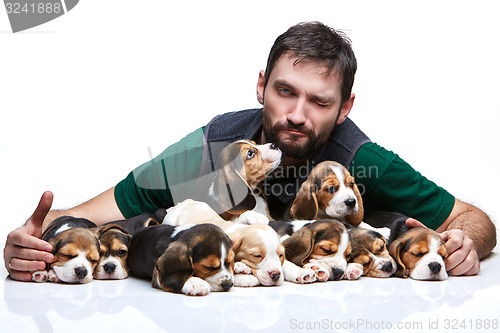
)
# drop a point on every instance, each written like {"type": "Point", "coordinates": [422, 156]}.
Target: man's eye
{"type": "Point", "coordinates": [250, 154]}
{"type": "Point", "coordinates": [285, 91]}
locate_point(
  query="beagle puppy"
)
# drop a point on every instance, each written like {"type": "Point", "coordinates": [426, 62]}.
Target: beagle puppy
{"type": "Point", "coordinates": [259, 254]}
{"type": "Point", "coordinates": [328, 192]}
{"type": "Point", "coordinates": [241, 166]}
{"type": "Point", "coordinates": [321, 245]}
{"type": "Point", "coordinates": [114, 242]}
{"type": "Point", "coordinates": [75, 250]}
{"type": "Point", "coordinates": [420, 254]}
{"type": "Point", "coordinates": [189, 259]}
{"type": "Point", "coordinates": [369, 249]}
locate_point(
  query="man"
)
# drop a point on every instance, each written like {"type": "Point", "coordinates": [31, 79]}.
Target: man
{"type": "Point", "coordinates": [306, 96]}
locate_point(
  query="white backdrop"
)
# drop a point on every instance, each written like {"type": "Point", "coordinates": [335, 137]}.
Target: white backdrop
{"type": "Point", "coordinates": [83, 98]}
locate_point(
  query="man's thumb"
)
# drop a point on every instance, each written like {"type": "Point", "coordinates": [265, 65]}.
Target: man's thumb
{"type": "Point", "coordinates": [36, 220]}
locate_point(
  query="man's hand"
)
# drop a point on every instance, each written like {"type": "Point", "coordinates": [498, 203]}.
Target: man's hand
{"type": "Point", "coordinates": [24, 251]}
{"type": "Point", "coordinates": [462, 258]}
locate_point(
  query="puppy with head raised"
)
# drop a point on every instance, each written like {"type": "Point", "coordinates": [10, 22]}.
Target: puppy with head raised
{"type": "Point", "coordinates": [241, 166]}
{"type": "Point", "coordinates": [321, 245]}
{"type": "Point", "coordinates": [75, 250]}
{"type": "Point", "coordinates": [114, 242]}
{"type": "Point", "coordinates": [369, 249]}
{"type": "Point", "coordinates": [420, 254]}
{"type": "Point", "coordinates": [329, 192]}
{"type": "Point", "coordinates": [189, 259]}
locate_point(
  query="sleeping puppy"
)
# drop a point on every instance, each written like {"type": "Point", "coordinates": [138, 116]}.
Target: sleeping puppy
{"type": "Point", "coordinates": [259, 254]}
{"type": "Point", "coordinates": [75, 250]}
{"type": "Point", "coordinates": [420, 254]}
{"type": "Point", "coordinates": [369, 248]}
{"type": "Point", "coordinates": [241, 166]}
{"type": "Point", "coordinates": [321, 245]}
{"type": "Point", "coordinates": [189, 259]}
{"type": "Point", "coordinates": [114, 242]}
{"type": "Point", "coordinates": [328, 192]}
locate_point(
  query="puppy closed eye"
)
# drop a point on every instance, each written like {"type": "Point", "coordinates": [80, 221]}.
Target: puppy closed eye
{"type": "Point", "coordinates": [210, 268]}
{"type": "Point", "coordinates": [417, 254]}
{"type": "Point", "coordinates": [331, 189]}
{"type": "Point", "coordinates": [69, 256]}
{"type": "Point", "coordinates": [121, 253]}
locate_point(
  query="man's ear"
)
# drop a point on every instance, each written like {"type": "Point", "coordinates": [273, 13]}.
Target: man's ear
{"type": "Point", "coordinates": [346, 109]}
{"type": "Point", "coordinates": [260, 87]}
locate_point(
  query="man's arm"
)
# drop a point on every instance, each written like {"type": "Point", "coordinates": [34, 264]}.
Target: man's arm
{"type": "Point", "coordinates": [470, 236]}
{"type": "Point", "coordinates": [25, 252]}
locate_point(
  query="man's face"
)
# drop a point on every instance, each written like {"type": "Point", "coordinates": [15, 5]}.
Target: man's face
{"type": "Point", "coordinates": [302, 104]}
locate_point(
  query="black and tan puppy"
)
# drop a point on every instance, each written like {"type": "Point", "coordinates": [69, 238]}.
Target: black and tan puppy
{"type": "Point", "coordinates": [321, 245]}
{"type": "Point", "coordinates": [189, 259]}
{"type": "Point", "coordinates": [420, 254]}
{"type": "Point", "coordinates": [114, 243]}
{"type": "Point", "coordinates": [369, 249]}
{"type": "Point", "coordinates": [75, 250]}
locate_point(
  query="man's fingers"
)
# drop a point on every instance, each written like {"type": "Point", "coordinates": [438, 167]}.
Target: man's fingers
{"type": "Point", "coordinates": [20, 276]}
{"type": "Point", "coordinates": [42, 209]}
{"type": "Point", "coordinates": [21, 265]}
{"type": "Point", "coordinates": [413, 223]}
{"type": "Point", "coordinates": [18, 238]}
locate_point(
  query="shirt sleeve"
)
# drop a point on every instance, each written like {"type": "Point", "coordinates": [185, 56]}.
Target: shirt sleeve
{"type": "Point", "coordinates": [388, 183]}
{"type": "Point", "coordinates": [167, 179]}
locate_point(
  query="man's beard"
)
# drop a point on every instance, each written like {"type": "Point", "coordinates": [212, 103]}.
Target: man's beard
{"type": "Point", "coordinates": [297, 151]}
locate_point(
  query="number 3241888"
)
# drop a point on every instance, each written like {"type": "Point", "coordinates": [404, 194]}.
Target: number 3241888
{"type": "Point", "coordinates": [471, 324]}
{"type": "Point", "coordinates": [32, 8]}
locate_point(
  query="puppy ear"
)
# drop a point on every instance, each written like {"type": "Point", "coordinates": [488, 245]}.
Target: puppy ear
{"type": "Point", "coordinates": [299, 245]}
{"type": "Point", "coordinates": [395, 250]}
{"type": "Point", "coordinates": [109, 227]}
{"type": "Point", "coordinates": [305, 204]}
{"type": "Point", "coordinates": [356, 218]}
{"type": "Point", "coordinates": [230, 186]}
{"type": "Point", "coordinates": [173, 268]}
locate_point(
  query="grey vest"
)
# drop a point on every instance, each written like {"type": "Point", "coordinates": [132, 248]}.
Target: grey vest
{"type": "Point", "coordinates": [344, 142]}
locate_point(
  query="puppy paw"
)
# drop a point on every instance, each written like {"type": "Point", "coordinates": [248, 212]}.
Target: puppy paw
{"type": "Point", "coordinates": [241, 268]}
{"type": "Point", "coordinates": [52, 277]}
{"type": "Point", "coordinates": [245, 280]}
{"type": "Point", "coordinates": [353, 271]}
{"type": "Point", "coordinates": [321, 273]}
{"type": "Point", "coordinates": [302, 275]}
{"type": "Point", "coordinates": [195, 286]}
{"type": "Point", "coordinates": [39, 276]}
{"type": "Point", "coordinates": [251, 217]}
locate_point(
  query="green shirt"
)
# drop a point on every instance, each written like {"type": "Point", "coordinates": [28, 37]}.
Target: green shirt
{"type": "Point", "coordinates": [386, 182]}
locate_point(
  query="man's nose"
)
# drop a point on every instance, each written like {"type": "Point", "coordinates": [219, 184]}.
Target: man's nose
{"type": "Point", "coordinates": [297, 114]}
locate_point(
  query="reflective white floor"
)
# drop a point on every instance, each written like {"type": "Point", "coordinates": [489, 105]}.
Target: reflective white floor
{"type": "Point", "coordinates": [460, 304]}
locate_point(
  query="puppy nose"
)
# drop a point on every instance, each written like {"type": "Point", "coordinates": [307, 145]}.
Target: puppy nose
{"type": "Point", "coordinates": [350, 203]}
{"type": "Point", "coordinates": [81, 272]}
{"type": "Point", "coordinates": [435, 267]}
{"type": "Point", "coordinates": [227, 285]}
{"type": "Point", "coordinates": [387, 267]}
{"type": "Point", "coordinates": [275, 276]}
{"type": "Point", "coordinates": [109, 268]}
{"type": "Point", "coordinates": [337, 274]}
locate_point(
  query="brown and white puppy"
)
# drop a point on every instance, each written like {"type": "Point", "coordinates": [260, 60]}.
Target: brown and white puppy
{"type": "Point", "coordinates": [241, 166]}
{"type": "Point", "coordinates": [114, 242]}
{"type": "Point", "coordinates": [328, 192]}
{"type": "Point", "coordinates": [369, 249]}
{"type": "Point", "coordinates": [75, 250]}
{"type": "Point", "coordinates": [189, 259]}
{"type": "Point", "coordinates": [259, 254]}
{"type": "Point", "coordinates": [420, 254]}
{"type": "Point", "coordinates": [321, 245]}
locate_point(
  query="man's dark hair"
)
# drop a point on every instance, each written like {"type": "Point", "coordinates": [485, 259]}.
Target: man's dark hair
{"type": "Point", "coordinates": [314, 41]}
